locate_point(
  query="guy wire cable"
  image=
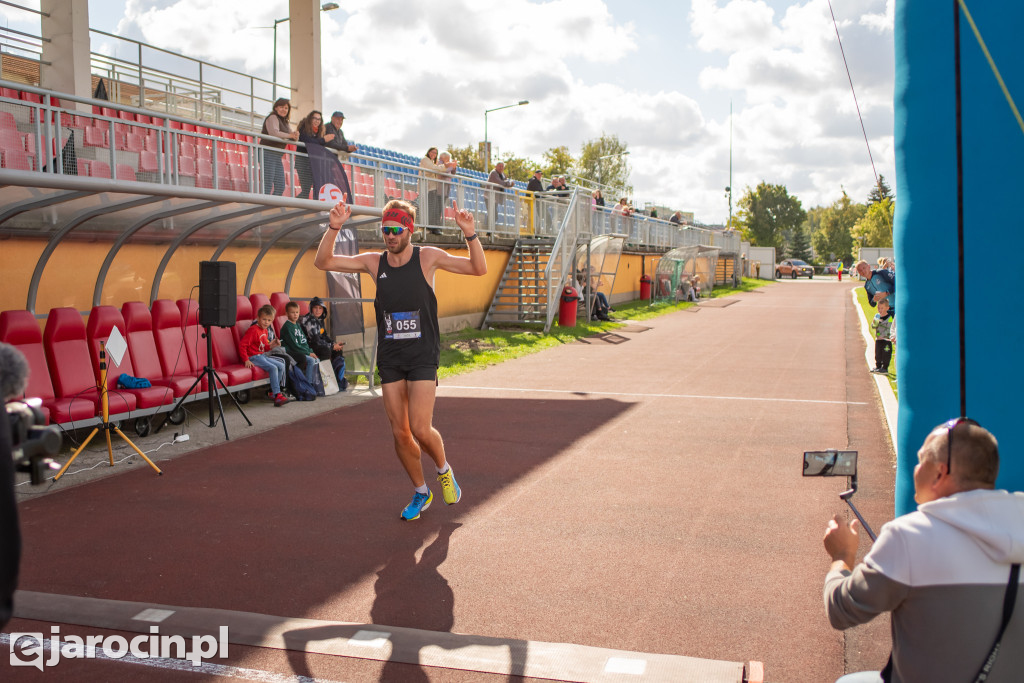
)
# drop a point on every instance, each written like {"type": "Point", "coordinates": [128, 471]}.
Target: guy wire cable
{"type": "Point", "coordinates": [960, 206]}
{"type": "Point", "coordinates": [860, 117]}
{"type": "Point", "coordinates": [957, 6]}
{"type": "Point", "coordinates": [992, 65]}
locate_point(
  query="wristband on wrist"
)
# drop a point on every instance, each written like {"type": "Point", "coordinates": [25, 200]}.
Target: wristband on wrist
{"type": "Point", "coordinates": [470, 238]}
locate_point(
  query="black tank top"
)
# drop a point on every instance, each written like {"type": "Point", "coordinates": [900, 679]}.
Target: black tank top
{"type": "Point", "coordinates": [407, 329]}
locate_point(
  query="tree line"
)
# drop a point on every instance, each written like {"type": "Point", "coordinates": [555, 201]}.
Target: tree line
{"type": "Point", "coordinates": [601, 161]}
{"type": "Point", "coordinates": [769, 216]}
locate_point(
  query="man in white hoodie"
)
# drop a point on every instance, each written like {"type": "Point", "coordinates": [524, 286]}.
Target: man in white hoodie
{"type": "Point", "coordinates": [942, 571]}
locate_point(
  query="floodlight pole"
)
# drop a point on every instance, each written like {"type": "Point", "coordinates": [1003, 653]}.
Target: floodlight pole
{"type": "Point", "coordinates": [600, 174]}
{"type": "Point", "coordinates": [487, 148]}
{"type": "Point", "coordinates": [326, 7]}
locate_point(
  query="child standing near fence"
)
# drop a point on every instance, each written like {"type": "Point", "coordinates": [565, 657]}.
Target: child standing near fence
{"type": "Point", "coordinates": [253, 350]}
{"type": "Point", "coordinates": [884, 327]}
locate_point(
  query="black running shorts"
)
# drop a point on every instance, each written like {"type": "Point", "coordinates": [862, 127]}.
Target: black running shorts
{"type": "Point", "coordinates": [411, 373]}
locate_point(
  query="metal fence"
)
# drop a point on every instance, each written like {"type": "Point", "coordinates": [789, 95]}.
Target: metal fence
{"type": "Point", "coordinates": [146, 76]}
{"type": "Point", "coordinates": [40, 133]}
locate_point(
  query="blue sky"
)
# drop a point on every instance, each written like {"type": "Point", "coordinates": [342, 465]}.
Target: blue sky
{"type": "Point", "coordinates": [660, 75]}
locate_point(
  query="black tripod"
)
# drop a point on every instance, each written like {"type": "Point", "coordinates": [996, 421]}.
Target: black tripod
{"type": "Point", "coordinates": [212, 380]}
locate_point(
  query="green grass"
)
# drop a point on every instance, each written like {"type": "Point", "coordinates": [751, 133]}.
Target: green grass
{"type": "Point", "coordinates": [471, 349]}
{"type": "Point", "coordinates": [869, 314]}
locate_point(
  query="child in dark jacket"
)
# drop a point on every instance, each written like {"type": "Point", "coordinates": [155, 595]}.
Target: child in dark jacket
{"type": "Point", "coordinates": [314, 324]}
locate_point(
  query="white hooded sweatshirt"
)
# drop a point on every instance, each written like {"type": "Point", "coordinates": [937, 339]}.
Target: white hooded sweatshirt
{"type": "Point", "coordinates": [942, 572]}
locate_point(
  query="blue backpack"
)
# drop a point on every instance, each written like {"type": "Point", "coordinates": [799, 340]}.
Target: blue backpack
{"type": "Point", "coordinates": [301, 387]}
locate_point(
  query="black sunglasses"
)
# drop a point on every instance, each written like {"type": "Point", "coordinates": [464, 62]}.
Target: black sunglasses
{"type": "Point", "coordinates": [950, 426]}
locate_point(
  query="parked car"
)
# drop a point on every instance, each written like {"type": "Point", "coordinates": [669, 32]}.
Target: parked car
{"type": "Point", "coordinates": [794, 268]}
{"type": "Point", "coordinates": [834, 268]}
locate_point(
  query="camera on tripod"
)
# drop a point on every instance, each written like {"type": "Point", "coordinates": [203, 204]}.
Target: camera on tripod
{"type": "Point", "coordinates": [32, 443]}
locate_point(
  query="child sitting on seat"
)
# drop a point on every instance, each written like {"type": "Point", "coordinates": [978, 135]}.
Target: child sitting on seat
{"type": "Point", "coordinates": [294, 340]}
{"type": "Point", "coordinates": [253, 349]}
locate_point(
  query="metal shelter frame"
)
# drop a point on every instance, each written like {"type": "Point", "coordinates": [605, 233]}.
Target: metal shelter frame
{"type": "Point", "coordinates": [58, 208]}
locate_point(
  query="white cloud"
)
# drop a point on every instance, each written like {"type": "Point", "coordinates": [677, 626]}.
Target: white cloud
{"type": "Point", "coordinates": [797, 123]}
{"type": "Point", "coordinates": [411, 74]}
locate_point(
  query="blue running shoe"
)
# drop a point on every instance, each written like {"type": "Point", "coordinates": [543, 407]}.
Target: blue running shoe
{"type": "Point", "coordinates": [449, 488]}
{"type": "Point", "coordinates": [420, 502]}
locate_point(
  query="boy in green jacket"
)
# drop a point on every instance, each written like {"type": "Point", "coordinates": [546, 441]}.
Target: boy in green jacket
{"type": "Point", "coordinates": [294, 340]}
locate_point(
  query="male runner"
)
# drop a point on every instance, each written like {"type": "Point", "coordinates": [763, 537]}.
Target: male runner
{"type": "Point", "coordinates": [408, 338]}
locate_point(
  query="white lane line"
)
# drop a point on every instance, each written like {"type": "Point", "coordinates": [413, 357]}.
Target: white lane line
{"type": "Point", "coordinates": [577, 392]}
{"type": "Point", "coordinates": [205, 668]}
{"type": "Point", "coordinates": [622, 665]}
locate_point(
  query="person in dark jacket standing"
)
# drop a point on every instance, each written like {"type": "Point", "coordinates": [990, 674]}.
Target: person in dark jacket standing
{"type": "Point", "coordinates": [408, 335]}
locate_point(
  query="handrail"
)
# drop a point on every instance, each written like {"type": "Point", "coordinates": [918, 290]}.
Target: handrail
{"type": "Point", "coordinates": [559, 255]}
{"type": "Point", "coordinates": [33, 10]}
{"type": "Point", "coordinates": [374, 179]}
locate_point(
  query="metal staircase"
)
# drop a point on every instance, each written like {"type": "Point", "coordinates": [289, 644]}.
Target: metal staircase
{"type": "Point", "coordinates": [522, 294]}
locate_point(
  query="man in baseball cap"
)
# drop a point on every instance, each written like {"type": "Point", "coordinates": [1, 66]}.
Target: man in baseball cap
{"type": "Point", "coordinates": [334, 128]}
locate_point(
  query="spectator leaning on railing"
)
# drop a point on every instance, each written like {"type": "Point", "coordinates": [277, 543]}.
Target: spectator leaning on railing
{"type": "Point", "coordinates": [536, 183]}
{"type": "Point", "coordinates": [276, 126]}
{"type": "Point", "coordinates": [338, 142]}
{"type": "Point", "coordinates": [433, 173]}
{"type": "Point", "coordinates": [311, 132]}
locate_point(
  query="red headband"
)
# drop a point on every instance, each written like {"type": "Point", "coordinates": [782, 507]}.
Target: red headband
{"type": "Point", "coordinates": [398, 216]}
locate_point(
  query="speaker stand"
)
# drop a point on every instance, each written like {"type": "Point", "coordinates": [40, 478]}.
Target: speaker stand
{"type": "Point", "coordinates": [212, 380]}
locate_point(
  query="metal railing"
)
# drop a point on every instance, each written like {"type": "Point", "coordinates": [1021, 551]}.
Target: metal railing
{"type": "Point", "coordinates": [158, 79]}
{"type": "Point", "coordinates": [127, 143]}
{"type": "Point", "coordinates": [150, 77]}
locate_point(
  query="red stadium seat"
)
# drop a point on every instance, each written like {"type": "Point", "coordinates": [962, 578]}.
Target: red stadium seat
{"type": "Point", "coordinates": [195, 338]}
{"type": "Point", "coordinates": [20, 329]}
{"type": "Point", "coordinates": [226, 359]}
{"type": "Point", "coordinates": [279, 300]}
{"type": "Point", "coordinates": [258, 300]}
{"type": "Point", "coordinates": [148, 162]}
{"type": "Point", "coordinates": [135, 142]}
{"type": "Point", "coordinates": [186, 167]}
{"type": "Point", "coordinates": [94, 137]}
{"type": "Point", "coordinates": [71, 363]}
{"type": "Point", "coordinates": [102, 322]}
{"type": "Point", "coordinates": [139, 333]}
{"type": "Point", "coordinates": [125, 172]}
{"type": "Point", "coordinates": [15, 159]}
{"type": "Point", "coordinates": [99, 169]}
{"type": "Point", "coordinates": [169, 336]}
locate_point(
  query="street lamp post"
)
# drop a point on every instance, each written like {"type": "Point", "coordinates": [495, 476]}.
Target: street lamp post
{"type": "Point", "coordinates": [326, 7]}
{"type": "Point", "coordinates": [487, 147]}
{"type": "Point", "coordinates": [600, 169]}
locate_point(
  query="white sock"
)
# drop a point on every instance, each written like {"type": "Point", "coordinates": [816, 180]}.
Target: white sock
{"type": "Point", "coordinates": [422, 489]}
{"type": "Point", "coordinates": [442, 470]}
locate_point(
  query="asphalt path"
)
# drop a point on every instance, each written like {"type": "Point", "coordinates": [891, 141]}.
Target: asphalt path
{"type": "Point", "coordinates": [638, 491]}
